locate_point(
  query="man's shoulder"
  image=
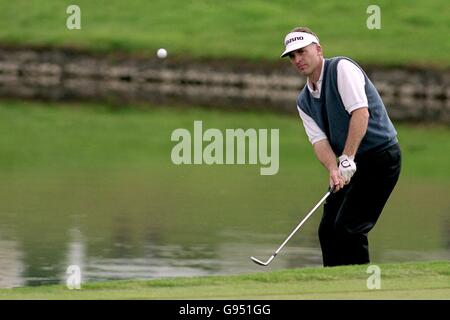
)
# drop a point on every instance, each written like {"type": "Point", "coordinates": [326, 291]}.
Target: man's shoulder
{"type": "Point", "coordinates": [347, 64]}
{"type": "Point", "coordinates": [334, 61]}
{"type": "Point", "coordinates": [339, 58]}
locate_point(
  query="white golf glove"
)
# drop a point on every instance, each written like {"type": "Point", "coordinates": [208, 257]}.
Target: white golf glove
{"type": "Point", "coordinates": [347, 167]}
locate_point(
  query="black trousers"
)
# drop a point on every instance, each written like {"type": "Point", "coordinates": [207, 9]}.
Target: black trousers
{"type": "Point", "coordinates": [352, 212]}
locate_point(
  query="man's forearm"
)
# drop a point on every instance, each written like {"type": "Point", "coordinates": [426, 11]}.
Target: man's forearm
{"type": "Point", "coordinates": [328, 158]}
{"type": "Point", "coordinates": [356, 131]}
{"type": "Point", "coordinates": [325, 154]}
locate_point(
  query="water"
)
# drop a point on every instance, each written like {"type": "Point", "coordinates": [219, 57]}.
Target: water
{"type": "Point", "coordinates": [189, 221]}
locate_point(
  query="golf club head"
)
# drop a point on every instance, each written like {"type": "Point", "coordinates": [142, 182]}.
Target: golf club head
{"type": "Point", "coordinates": [257, 261]}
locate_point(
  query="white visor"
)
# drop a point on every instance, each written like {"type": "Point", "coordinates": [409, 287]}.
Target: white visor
{"type": "Point", "coordinates": [297, 40]}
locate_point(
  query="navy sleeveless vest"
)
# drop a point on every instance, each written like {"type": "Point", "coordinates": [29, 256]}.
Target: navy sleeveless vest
{"type": "Point", "coordinates": [329, 112]}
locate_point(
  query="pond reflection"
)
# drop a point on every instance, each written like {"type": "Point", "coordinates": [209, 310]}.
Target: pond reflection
{"type": "Point", "coordinates": [148, 225]}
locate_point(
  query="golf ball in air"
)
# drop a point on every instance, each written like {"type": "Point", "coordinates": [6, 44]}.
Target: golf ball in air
{"type": "Point", "coordinates": [161, 53]}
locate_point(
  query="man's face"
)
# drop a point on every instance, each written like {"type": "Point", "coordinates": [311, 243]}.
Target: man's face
{"type": "Point", "coordinates": [306, 59]}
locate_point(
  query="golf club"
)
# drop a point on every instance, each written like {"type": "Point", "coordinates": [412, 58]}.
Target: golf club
{"type": "Point", "coordinates": [257, 261]}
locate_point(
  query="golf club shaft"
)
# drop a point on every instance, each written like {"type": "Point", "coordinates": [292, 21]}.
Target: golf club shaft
{"type": "Point", "coordinates": [303, 221]}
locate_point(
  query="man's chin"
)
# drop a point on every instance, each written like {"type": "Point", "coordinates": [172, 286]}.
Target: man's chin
{"type": "Point", "coordinates": [304, 72]}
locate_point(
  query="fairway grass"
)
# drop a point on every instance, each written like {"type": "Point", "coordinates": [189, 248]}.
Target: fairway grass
{"type": "Point", "coordinates": [421, 280]}
{"type": "Point", "coordinates": [409, 34]}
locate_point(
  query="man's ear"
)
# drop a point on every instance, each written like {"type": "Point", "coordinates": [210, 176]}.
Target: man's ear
{"type": "Point", "coordinates": [319, 49]}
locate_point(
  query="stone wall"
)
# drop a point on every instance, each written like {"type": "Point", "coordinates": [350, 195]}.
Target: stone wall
{"type": "Point", "coordinates": [56, 75]}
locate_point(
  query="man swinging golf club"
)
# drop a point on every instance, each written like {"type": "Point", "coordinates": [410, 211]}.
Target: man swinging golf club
{"type": "Point", "coordinates": [345, 119]}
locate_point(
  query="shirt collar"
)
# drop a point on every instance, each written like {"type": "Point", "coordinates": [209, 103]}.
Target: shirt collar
{"type": "Point", "coordinates": [319, 82]}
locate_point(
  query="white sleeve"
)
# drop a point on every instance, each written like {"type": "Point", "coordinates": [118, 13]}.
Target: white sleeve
{"type": "Point", "coordinates": [350, 82]}
{"type": "Point", "coordinates": [315, 134]}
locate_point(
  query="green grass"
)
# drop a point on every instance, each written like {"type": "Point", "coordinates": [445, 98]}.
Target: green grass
{"type": "Point", "coordinates": [411, 33]}
{"type": "Point", "coordinates": [423, 280]}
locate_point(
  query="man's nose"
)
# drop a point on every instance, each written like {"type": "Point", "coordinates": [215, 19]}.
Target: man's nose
{"type": "Point", "coordinates": [297, 58]}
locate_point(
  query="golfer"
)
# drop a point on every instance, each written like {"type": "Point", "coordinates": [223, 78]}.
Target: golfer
{"type": "Point", "coordinates": [353, 137]}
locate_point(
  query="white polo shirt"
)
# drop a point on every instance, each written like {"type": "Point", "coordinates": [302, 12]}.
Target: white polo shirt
{"type": "Point", "coordinates": [350, 82]}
